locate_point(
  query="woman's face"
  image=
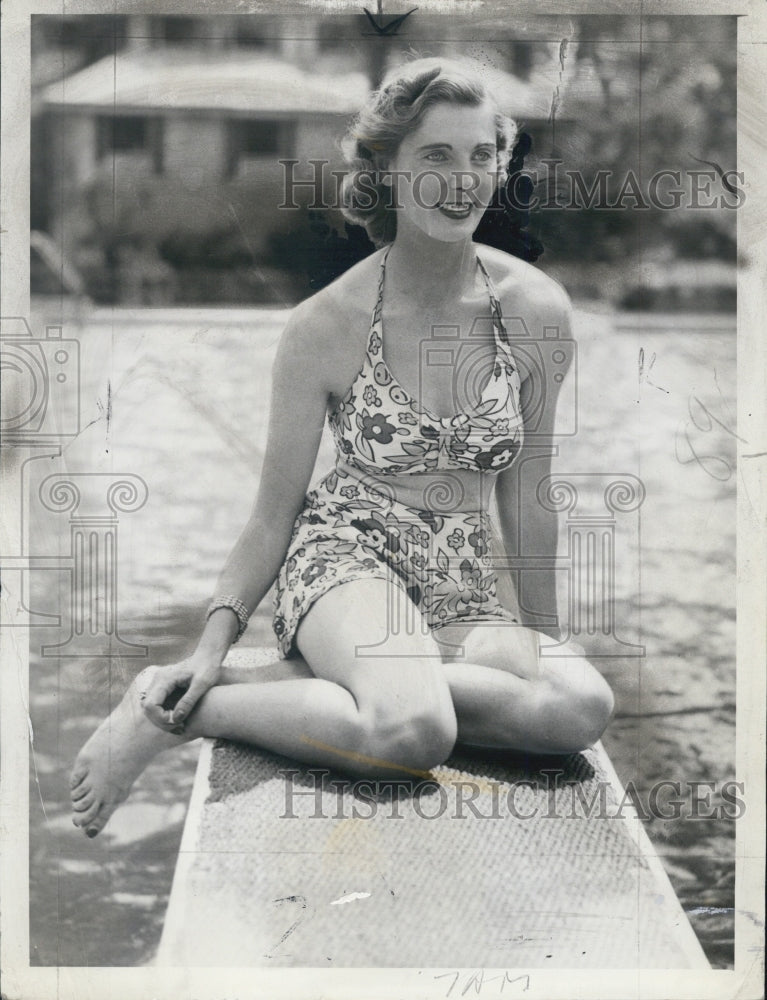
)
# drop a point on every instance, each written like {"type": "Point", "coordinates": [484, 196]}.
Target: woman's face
{"type": "Point", "coordinates": [445, 171]}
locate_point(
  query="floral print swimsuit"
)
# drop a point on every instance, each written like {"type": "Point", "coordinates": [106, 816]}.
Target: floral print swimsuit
{"type": "Point", "coordinates": [353, 526]}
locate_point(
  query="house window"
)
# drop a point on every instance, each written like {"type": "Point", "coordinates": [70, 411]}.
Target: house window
{"type": "Point", "coordinates": [90, 36]}
{"type": "Point", "coordinates": [251, 139]}
{"type": "Point", "coordinates": [139, 134]}
{"type": "Point", "coordinates": [255, 33]}
{"type": "Point", "coordinates": [177, 30]}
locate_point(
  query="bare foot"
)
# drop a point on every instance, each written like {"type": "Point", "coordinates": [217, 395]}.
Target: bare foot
{"type": "Point", "coordinates": [114, 757]}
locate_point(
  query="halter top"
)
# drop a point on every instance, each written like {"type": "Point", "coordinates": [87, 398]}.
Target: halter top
{"type": "Point", "coordinates": [380, 429]}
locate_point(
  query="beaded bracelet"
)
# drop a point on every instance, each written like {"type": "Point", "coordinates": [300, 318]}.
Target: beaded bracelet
{"type": "Point", "coordinates": [236, 605]}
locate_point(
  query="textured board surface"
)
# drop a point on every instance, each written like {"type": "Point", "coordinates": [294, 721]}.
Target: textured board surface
{"type": "Point", "coordinates": [500, 860]}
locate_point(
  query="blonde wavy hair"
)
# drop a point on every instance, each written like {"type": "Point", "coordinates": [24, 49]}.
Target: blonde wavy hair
{"type": "Point", "coordinates": [391, 113]}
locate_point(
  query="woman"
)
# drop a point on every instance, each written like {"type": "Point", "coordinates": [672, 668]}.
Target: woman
{"type": "Point", "coordinates": [395, 643]}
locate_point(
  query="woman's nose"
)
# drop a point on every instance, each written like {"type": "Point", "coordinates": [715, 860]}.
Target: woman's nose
{"type": "Point", "coordinates": [464, 180]}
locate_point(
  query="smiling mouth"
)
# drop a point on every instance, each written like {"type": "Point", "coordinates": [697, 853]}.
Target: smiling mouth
{"type": "Point", "coordinates": [456, 210]}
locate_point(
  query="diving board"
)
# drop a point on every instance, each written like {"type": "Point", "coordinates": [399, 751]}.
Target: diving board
{"type": "Point", "coordinates": [499, 861]}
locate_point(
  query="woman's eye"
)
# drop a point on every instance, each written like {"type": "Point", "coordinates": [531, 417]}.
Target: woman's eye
{"type": "Point", "coordinates": [437, 155]}
{"type": "Point", "coordinates": [484, 155]}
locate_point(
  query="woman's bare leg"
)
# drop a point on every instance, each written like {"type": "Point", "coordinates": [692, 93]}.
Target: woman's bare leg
{"type": "Point", "coordinates": [564, 711]}
{"type": "Point", "coordinates": [277, 670]}
{"type": "Point", "coordinates": [563, 704]}
{"type": "Point", "coordinates": [374, 704]}
{"type": "Point", "coordinates": [503, 699]}
{"type": "Point", "coordinates": [390, 714]}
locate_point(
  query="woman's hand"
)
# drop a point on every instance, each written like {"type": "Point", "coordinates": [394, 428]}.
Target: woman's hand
{"type": "Point", "coordinates": [176, 689]}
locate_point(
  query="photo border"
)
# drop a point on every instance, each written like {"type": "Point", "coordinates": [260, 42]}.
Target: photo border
{"type": "Point", "coordinates": [19, 980]}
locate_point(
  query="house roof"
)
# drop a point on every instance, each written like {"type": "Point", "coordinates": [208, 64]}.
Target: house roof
{"type": "Point", "coordinates": [160, 80]}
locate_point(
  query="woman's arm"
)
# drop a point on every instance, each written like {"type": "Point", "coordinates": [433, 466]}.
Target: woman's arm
{"type": "Point", "coordinates": [297, 413]}
{"type": "Point", "coordinates": [529, 531]}
{"type": "Point", "coordinates": [301, 383]}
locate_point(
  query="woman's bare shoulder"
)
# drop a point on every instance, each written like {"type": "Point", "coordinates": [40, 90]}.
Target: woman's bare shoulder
{"type": "Point", "coordinates": [525, 289]}
{"type": "Point", "coordinates": [348, 294]}
{"type": "Point", "coordinates": [330, 328]}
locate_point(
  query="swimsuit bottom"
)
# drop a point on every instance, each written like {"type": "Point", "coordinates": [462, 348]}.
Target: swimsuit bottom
{"type": "Point", "coordinates": [355, 527]}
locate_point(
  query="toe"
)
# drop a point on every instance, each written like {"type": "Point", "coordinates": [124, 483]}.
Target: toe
{"type": "Point", "coordinates": [85, 817]}
{"type": "Point", "coordinates": [80, 791]}
{"type": "Point", "coordinates": [82, 816]}
{"type": "Point", "coordinates": [78, 775]}
{"type": "Point", "coordinates": [84, 803]}
{"type": "Point", "coordinates": [96, 825]}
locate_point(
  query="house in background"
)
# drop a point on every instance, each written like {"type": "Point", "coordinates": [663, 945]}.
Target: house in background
{"type": "Point", "coordinates": [167, 153]}
{"type": "Point", "coordinates": [179, 136]}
